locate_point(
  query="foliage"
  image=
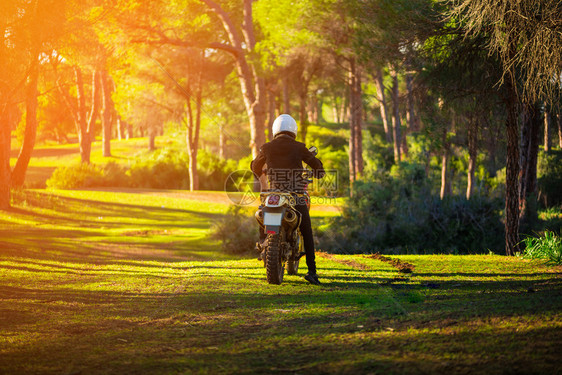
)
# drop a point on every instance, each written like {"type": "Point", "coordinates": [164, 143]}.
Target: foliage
{"type": "Point", "coordinates": [213, 171]}
{"type": "Point", "coordinates": [85, 175]}
{"type": "Point", "coordinates": [163, 169]}
{"type": "Point", "coordinates": [377, 154]}
{"type": "Point", "coordinates": [396, 213]}
{"type": "Point", "coordinates": [331, 143]}
{"type": "Point", "coordinates": [285, 25]}
{"type": "Point", "coordinates": [325, 136]}
{"type": "Point", "coordinates": [237, 230]}
{"type": "Point", "coordinates": [526, 35]}
{"type": "Point", "coordinates": [75, 176]}
{"type": "Point", "coordinates": [549, 175]}
{"type": "Point", "coordinates": [547, 246]}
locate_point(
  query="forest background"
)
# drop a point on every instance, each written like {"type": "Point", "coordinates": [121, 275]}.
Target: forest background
{"type": "Point", "coordinates": [441, 119]}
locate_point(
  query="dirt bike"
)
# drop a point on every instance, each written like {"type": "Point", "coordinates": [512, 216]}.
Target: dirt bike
{"type": "Point", "coordinates": [278, 217]}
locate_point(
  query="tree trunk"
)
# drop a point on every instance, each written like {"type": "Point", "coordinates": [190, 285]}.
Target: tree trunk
{"type": "Point", "coordinates": [335, 111]}
{"type": "Point", "coordinates": [189, 137]}
{"type": "Point", "coordinates": [84, 125]}
{"type": "Point", "coordinates": [194, 184]}
{"type": "Point", "coordinates": [511, 178]}
{"type": "Point", "coordinates": [18, 174]}
{"type": "Point", "coordinates": [5, 146]}
{"type": "Point", "coordinates": [444, 162]}
{"type": "Point", "coordinates": [107, 112]}
{"type": "Point", "coordinates": [352, 124]}
{"type": "Point", "coordinates": [193, 126]}
{"type": "Point", "coordinates": [559, 121]}
{"type": "Point", "coordinates": [286, 99]}
{"type": "Point", "coordinates": [130, 133]}
{"type": "Point", "coordinates": [251, 83]}
{"type": "Point", "coordinates": [472, 154]}
{"type": "Point", "coordinates": [271, 116]}
{"type": "Point", "coordinates": [121, 128]}
{"type": "Point", "coordinates": [382, 101]}
{"type": "Point", "coordinates": [314, 105]}
{"type": "Point", "coordinates": [547, 126]}
{"type": "Point", "coordinates": [222, 143]}
{"type": "Point", "coordinates": [530, 135]}
{"type": "Point", "coordinates": [395, 117]}
{"type": "Point", "coordinates": [404, 142]}
{"type": "Point", "coordinates": [151, 139]}
{"type": "Point", "coordinates": [358, 109]}
{"type": "Point", "coordinates": [303, 116]}
{"type": "Point", "coordinates": [524, 153]}
{"type": "Point", "coordinates": [343, 110]}
{"type": "Point", "coordinates": [411, 117]}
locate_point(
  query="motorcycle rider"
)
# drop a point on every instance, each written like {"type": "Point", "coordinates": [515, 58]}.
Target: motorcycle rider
{"type": "Point", "coordinates": [283, 157]}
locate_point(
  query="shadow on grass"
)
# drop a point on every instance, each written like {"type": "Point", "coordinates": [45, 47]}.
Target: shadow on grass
{"type": "Point", "coordinates": [76, 230]}
{"type": "Point", "coordinates": [156, 318]}
{"type": "Point", "coordinates": [285, 332]}
{"type": "Point", "coordinates": [74, 210]}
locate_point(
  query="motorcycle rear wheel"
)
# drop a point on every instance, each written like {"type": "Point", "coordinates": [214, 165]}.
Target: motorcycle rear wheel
{"type": "Point", "coordinates": [293, 262]}
{"type": "Point", "coordinates": [273, 260]}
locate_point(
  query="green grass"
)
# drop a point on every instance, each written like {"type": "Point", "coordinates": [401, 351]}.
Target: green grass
{"type": "Point", "coordinates": [547, 246]}
{"type": "Point", "coordinates": [106, 282]}
{"type": "Point", "coordinates": [46, 158]}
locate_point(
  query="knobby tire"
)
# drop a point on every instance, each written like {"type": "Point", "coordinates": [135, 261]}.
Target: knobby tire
{"type": "Point", "coordinates": [274, 263]}
{"type": "Point", "coordinates": [293, 263]}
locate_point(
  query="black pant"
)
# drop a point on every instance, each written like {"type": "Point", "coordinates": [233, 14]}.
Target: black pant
{"type": "Point", "coordinates": [308, 239]}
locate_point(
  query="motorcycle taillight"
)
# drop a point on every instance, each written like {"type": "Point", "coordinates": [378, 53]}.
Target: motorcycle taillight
{"type": "Point", "coordinates": [273, 199]}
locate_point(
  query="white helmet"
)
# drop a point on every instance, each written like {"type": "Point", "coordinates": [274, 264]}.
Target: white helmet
{"type": "Point", "coordinates": [284, 123]}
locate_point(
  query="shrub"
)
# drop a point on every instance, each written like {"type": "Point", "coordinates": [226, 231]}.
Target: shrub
{"type": "Point", "coordinates": [75, 176]}
{"type": "Point", "coordinates": [548, 246]}
{"type": "Point", "coordinates": [88, 175]}
{"type": "Point", "coordinates": [377, 154]}
{"type": "Point", "coordinates": [213, 171]}
{"type": "Point", "coordinates": [115, 175]}
{"type": "Point", "coordinates": [237, 230]}
{"type": "Point", "coordinates": [163, 169]}
{"type": "Point", "coordinates": [549, 175]}
{"type": "Point", "coordinates": [323, 136]}
{"type": "Point", "coordinates": [395, 213]}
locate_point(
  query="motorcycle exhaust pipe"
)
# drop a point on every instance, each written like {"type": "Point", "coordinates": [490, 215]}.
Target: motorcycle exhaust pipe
{"type": "Point", "coordinates": [259, 216]}
{"type": "Point", "coordinates": [291, 217]}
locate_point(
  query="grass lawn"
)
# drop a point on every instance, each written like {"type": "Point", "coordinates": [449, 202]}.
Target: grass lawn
{"type": "Point", "coordinates": [129, 282]}
{"type": "Point", "coordinates": [46, 158]}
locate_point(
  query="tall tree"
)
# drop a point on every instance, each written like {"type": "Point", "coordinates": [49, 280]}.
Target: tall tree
{"type": "Point", "coordinates": [27, 29]}
{"type": "Point", "coordinates": [395, 116]}
{"type": "Point", "coordinates": [18, 173]}
{"type": "Point", "coordinates": [547, 126]}
{"type": "Point", "coordinates": [472, 144]}
{"type": "Point", "coordinates": [559, 126]}
{"type": "Point", "coordinates": [530, 136]}
{"type": "Point", "coordinates": [356, 118]}
{"type": "Point", "coordinates": [390, 33]}
{"type": "Point", "coordinates": [107, 110]}
{"type": "Point", "coordinates": [381, 97]}
{"type": "Point", "coordinates": [252, 83]}
{"type": "Point", "coordinates": [84, 118]}
{"type": "Point", "coordinates": [527, 36]}
{"type": "Point", "coordinates": [37, 31]}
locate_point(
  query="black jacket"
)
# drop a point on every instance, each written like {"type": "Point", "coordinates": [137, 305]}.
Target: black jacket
{"type": "Point", "coordinates": [284, 157]}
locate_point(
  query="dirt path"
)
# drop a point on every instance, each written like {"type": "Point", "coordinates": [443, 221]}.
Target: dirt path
{"type": "Point", "coordinates": [203, 196]}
